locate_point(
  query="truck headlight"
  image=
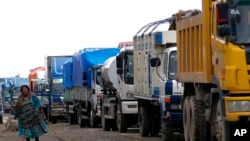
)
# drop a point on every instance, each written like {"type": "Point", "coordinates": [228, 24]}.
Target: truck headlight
{"type": "Point", "coordinates": [176, 106]}
{"type": "Point", "coordinates": [238, 106]}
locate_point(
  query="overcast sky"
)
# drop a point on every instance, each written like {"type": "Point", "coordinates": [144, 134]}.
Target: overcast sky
{"type": "Point", "coordinates": [32, 29]}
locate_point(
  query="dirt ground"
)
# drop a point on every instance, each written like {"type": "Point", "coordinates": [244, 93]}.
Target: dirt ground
{"type": "Point", "coordinates": [62, 131]}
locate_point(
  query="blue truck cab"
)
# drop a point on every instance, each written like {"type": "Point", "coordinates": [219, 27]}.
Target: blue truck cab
{"type": "Point", "coordinates": [54, 81]}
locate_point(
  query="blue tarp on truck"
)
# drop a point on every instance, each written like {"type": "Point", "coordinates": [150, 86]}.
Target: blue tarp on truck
{"type": "Point", "coordinates": [77, 73]}
{"type": "Point", "coordinates": [83, 62]}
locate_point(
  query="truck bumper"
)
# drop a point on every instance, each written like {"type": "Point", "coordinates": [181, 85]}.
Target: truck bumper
{"type": "Point", "coordinates": [237, 108]}
{"type": "Point", "coordinates": [129, 107]}
{"type": "Point", "coordinates": [58, 112]}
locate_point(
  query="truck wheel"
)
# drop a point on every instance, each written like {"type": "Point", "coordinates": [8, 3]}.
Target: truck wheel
{"type": "Point", "coordinates": [105, 124]}
{"type": "Point", "coordinates": [222, 128]}
{"type": "Point", "coordinates": [114, 125]}
{"type": "Point", "coordinates": [81, 122]}
{"type": "Point", "coordinates": [198, 123]}
{"type": "Point", "coordinates": [186, 117]}
{"type": "Point", "coordinates": [6, 111]}
{"type": "Point", "coordinates": [155, 124]}
{"type": "Point", "coordinates": [93, 120]}
{"type": "Point", "coordinates": [167, 133]}
{"type": "Point", "coordinates": [54, 120]}
{"type": "Point", "coordinates": [144, 122]}
{"type": "Point", "coordinates": [1, 119]}
{"type": "Point", "coordinates": [121, 121]}
{"type": "Point", "coordinates": [71, 119]}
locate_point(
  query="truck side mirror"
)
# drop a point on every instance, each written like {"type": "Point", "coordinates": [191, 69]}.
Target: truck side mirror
{"type": "Point", "coordinates": [222, 13]}
{"type": "Point", "coordinates": [84, 76]}
{"type": "Point", "coordinates": [84, 83]}
{"type": "Point", "coordinates": [155, 62]}
{"type": "Point", "coordinates": [223, 31]}
{"type": "Point", "coordinates": [119, 71]}
{"type": "Point", "coordinates": [119, 61]}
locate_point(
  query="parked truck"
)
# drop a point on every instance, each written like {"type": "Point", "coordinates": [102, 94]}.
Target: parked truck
{"type": "Point", "coordinates": [213, 65]}
{"type": "Point", "coordinates": [156, 89]}
{"type": "Point", "coordinates": [54, 86]}
{"type": "Point", "coordinates": [119, 107]}
{"type": "Point", "coordinates": [84, 91]}
{"type": "Point", "coordinates": [11, 90]}
{"type": "Point", "coordinates": [38, 86]}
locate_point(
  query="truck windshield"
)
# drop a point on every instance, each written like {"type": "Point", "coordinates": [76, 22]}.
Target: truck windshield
{"type": "Point", "coordinates": [172, 68]}
{"type": "Point", "coordinates": [128, 69]}
{"type": "Point", "coordinates": [57, 86]}
{"type": "Point", "coordinates": [240, 16]}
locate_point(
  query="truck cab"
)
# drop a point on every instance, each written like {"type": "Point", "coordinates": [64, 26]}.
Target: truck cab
{"type": "Point", "coordinates": [54, 82]}
{"type": "Point", "coordinates": [171, 93]}
{"type": "Point", "coordinates": [157, 91]}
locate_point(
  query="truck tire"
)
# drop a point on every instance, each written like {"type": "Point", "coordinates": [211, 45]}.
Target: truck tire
{"type": "Point", "coordinates": [198, 123]}
{"type": "Point", "coordinates": [1, 119]}
{"type": "Point", "coordinates": [114, 125]}
{"type": "Point", "coordinates": [167, 133]}
{"type": "Point", "coordinates": [54, 119]}
{"type": "Point", "coordinates": [144, 122]}
{"type": "Point", "coordinates": [155, 123]}
{"type": "Point", "coordinates": [222, 130]}
{"type": "Point", "coordinates": [186, 117]}
{"type": "Point", "coordinates": [106, 124]}
{"type": "Point", "coordinates": [71, 119]}
{"type": "Point", "coordinates": [81, 121]}
{"type": "Point", "coordinates": [93, 120]}
{"type": "Point", "coordinates": [121, 121]}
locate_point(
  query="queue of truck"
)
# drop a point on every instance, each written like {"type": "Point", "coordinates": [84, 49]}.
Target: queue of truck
{"type": "Point", "coordinates": [185, 79]}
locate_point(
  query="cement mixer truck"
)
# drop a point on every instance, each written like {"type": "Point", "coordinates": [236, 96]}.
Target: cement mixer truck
{"type": "Point", "coordinates": [119, 108]}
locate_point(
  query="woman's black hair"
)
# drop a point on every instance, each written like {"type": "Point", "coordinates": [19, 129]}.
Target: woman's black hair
{"type": "Point", "coordinates": [25, 86]}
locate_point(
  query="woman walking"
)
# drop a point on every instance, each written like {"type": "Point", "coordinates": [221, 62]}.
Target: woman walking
{"type": "Point", "coordinates": [27, 111]}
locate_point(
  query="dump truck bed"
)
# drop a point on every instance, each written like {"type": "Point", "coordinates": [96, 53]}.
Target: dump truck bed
{"type": "Point", "coordinates": [193, 45]}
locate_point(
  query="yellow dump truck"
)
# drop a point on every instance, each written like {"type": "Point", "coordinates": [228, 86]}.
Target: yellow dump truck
{"type": "Point", "coordinates": [214, 66]}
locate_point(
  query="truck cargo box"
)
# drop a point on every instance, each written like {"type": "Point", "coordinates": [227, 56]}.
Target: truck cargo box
{"type": "Point", "coordinates": [193, 45]}
{"type": "Point", "coordinates": [146, 78]}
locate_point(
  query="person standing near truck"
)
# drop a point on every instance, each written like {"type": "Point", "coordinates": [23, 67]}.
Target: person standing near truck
{"type": "Point", "coordinates": [30, 120]}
